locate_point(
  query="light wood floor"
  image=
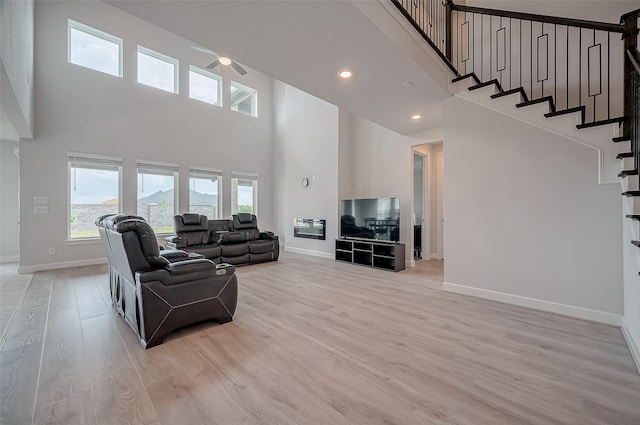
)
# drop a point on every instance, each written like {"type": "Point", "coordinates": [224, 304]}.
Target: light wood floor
{"type": "Point", "coordinates": [313, 342]}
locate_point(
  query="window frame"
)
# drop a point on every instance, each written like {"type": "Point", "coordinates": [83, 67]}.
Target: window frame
{"type": "Point", "coordinates": [254, 99]}
{"type": "Point", "coordinates": [161, 169]}
{"type": "Point", "coordinates": [204, 73]}
{"type": "Point", "coordinates": [161, 57]}
{"type": "Point", "coordinates": [205, 173]}
{"type": "Point", "coordinates": [78, 26]}
{"type": "Point", "coordinates": [91, 162]}
{"type": "Point", "coordinates": [239, 175]}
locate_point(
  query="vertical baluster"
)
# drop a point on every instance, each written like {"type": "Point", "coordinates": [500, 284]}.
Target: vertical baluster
{"type": "Point", "coordinates": [555, 63]}
{"type": "Point", "coordinates": [490, 47]}
{"type": "Point", "coordinates": [481, 47]}
{"type": "Point", "coordinates": [567, 66]}
{"type": "Point", "coordinates": [531, 47]}
{"type": "Point", "coordinates": [580, 67]}
{"type": "Point", "coordinates": [608, 75]}
{"type": "Point", "coordinates": [510, 51]}
{"type": "Point", "coordinates": [520, 67]}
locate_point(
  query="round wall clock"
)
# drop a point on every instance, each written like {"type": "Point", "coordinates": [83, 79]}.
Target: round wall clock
{"type": "Point", "coordinates": [305, 182]}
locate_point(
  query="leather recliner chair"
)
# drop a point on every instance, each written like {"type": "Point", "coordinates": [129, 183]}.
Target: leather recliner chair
{"type": "Point", "coordinates": [155, 295]}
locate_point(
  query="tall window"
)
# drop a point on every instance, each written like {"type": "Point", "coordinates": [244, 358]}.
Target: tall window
{"type": "Point", "coordinates": [157, 197]}
{"type": "Point", "coordinates": [204, 192]}
{"type": "Point", "coordinates": [244, 193]}
{"type": "Point", "coordinates": [205, 86]}
{"type": "Point", "coordinates": [244, 99]}
{"type": "Point", "coordinates": [94, 49]}
{"type": "Point", "coordinates": [157, 70]}
{"type": "Point", "coordinates": [94, 190]}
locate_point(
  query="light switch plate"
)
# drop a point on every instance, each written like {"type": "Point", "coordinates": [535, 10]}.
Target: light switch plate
{"type": "Point", "coordinates": [41, 210]}
{"type": "Point", "coordinates": [40, 200]}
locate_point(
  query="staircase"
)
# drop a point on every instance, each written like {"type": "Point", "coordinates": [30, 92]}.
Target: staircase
{"type": "Point", "coordinates": [579, 79]}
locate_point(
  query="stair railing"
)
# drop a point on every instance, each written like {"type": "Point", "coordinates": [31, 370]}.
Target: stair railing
{"type": "Point", "coordinates": [575, 64]}
{"type": "Point", "coordinates": [631, 126]}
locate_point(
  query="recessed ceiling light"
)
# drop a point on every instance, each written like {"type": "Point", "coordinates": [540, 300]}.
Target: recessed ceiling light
{"type": "Point", "coordinates": [416, 116]}
{"type": "Point", "coordinates": [345, 74]}
{"type": "Point", "coordinates": [224, 60]}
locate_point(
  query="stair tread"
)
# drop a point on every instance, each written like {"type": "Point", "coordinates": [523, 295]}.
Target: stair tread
{"type": "Point", "coordinates": [636, 243]}
{"type": "Point", "coordinates": [631, 193]}
{"type": "Point", "coordinates": [625, 173]}
{"type": "Point", "coordinates": [486, 84]}
{"type": "Point", "coordinates": [520, 90]}
{"type": "Point", "coordinates": [618, 120]}
{"type": "Point", "coordinates": [624, 155]}
{"type": "Point", "coordinates": [580, 109]}
{"type": "Point", "coordinates": [621, 139]}
{"type": "Point", "coordinates": [539, 100]}
{"type": "Point", "coordinates": [465, 76]}
{"type": "Point", "coordinates": [633, 216]}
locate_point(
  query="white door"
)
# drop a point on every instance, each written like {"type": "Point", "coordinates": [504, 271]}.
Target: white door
{"type": "Point", "coordinates": [440, 204]}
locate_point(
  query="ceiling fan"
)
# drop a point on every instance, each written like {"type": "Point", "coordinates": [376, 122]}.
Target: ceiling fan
{"type": "Point", "coordinates": [221, 60]}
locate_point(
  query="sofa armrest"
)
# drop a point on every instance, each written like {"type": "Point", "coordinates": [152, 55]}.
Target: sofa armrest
{"type": "Point", "coordinates": [175, 242]}
{"type": "Point", "coordinates": [190, 266]}
{"type": "Point", "coordinates": [231, 237]}
{"type": "Point", "coordinates": [266, 235]}
{"type": "Point", "coordinates": [179, 272]}
{"type": "Point", "coordinates": [174, 255]}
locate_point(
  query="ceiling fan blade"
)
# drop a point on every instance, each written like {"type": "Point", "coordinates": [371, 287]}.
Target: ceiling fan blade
{"type": "Point", "coordinates": [213, 64]}
{"type": "Point", "coordinates": [202, 49]}
{"type": "Point", "coordinates": [238, 68]}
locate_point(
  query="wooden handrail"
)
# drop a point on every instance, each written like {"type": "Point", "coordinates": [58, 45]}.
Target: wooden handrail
{"type": "Point", "coordinates": [634, 57]}
{"type": "Point", "coordinates": [601, 26]}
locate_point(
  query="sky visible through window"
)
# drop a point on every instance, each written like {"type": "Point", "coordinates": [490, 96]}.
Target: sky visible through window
{"type": "Point", "coordinates": [156, 72]}
{"type": "Point", "coordinates": [94, 52]}
{"type": "Point", "coordinates": [93, 186]}
{"type": "Point", "coordinates": [153, 183]}
{"type": "Point", "coordinates": [203, 88]}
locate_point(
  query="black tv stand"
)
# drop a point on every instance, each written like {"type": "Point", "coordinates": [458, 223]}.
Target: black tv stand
{"type": "Point", "coordinates": [377, 254]}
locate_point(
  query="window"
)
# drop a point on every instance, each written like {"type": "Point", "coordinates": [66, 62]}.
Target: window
{"type": "Point", "coordinates": [157, 70]}
{"type": "Point", "coordinates": [94, 49]}
{"type": "Point", "coordinates": [244, 99]}
{"type": "Point", "coordinates": [204, 192]}
{"type": "Point", "coordinates": [244, 193]}
{"type": "Point", "coordinates": [94, 190]}
{"type": "Point", "coordinates": [205, 86]}
{"type": "Point", "coordinates": [157, 195]}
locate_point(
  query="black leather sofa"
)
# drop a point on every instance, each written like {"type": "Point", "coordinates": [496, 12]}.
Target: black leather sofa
{"type": "Point", "coordinates": [157, 292]}
{"type": "Point", "coordinates": [237, 241]}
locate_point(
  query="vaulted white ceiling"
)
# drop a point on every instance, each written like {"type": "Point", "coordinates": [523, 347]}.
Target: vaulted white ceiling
{"type": "Point", "coordinates": [305, 43]}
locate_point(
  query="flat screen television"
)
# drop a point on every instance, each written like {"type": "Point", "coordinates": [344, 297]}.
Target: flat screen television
{"type": "Point", "coordinates": [373, 218]}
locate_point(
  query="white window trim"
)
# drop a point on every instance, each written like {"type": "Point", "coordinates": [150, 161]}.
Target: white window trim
{"type": "Point", "coordinates": [89, 159]}
{"type": "Point", "coordinates": [160, 56]}
{"type": "Point", "coordinates": [71, 24]}
{"type": "Point", "coordinates": [250, 176]}
{"type": "Point", "coordinates": [254, 98]}
{"type": "Point", "coordinates": [205, 73]}
{"type": "Point", "coordinates": [169, 168]}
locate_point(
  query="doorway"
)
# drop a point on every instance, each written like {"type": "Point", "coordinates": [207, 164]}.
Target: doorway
{"type": "Point", "coordinates": [428, 205]}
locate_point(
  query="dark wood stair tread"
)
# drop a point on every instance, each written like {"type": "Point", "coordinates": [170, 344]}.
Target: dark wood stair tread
{"type": "Point", "coordinates": [636, 243]}
{"type": "Point", "coordinates": [621, 139]}
{"type": "Point", "coordinates": [624, 155]}
{"type": "Point", "coordinates": [486, 84]}
{"type": "Point", "coordinates": [633, 216]}
{"type": "Point", "coordinates": [631, 193]}
{"type": "Point", "coordinates": [465, 76]}
{"type": "Point", "coordinates": [520, 90]}
{"type": "Point", "coordinates": [539, 100]}
{"type": "Point", "coordinates": [625, 173]}
{"type": "Point", "coordinates": [618, 120]}
{"type": "Point", "coordinates": [580, 109]}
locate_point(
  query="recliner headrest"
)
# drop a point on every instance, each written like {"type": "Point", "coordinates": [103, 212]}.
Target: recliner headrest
{"type": "Point", "coordinates": [245, 217]}
{"type": "Point", "coordinates": [147, 238]}
{"type": "Point", "coordinates": [191, 218]}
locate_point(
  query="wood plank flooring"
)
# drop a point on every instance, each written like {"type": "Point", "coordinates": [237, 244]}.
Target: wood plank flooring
{"type": "Point", "coordinates": [313, 341]}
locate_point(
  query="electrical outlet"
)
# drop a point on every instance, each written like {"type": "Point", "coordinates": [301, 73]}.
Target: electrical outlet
{"type": "Point", "coordinates": [52, 251]}
{"type": "Point", "coordinates": [40, 200]}
{"type": "Point", "coordinates": [41, 210]}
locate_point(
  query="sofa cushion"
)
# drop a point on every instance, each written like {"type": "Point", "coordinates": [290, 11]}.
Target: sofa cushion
{"type": "Point", "coordinates": [210, 252]}
{"type": "Point", "coordinates": [241, 259]}
{"type": "Point", "coordinates": [200, 237]}
{"type": "Point", "coordinates": [260, 258]}
{"type": "Point", "coordinates": [260, 246]}
{"type": "Point", "coordinates": [234, 250]}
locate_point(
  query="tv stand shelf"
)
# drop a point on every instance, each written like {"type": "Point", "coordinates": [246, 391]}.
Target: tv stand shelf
{"type": "Point", "coordinates": [376, 254]}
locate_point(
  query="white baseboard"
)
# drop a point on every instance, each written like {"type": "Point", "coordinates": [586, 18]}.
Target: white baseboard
{"type": "Point", "coordinates": [633, 342]}
{"type": "Point", "coordinates": [563, 309]}
{"type": "Point", "coordinates": [434, 256]}
{"type": "Point", "coordinates": [64, 265]}
{"type": "Point", "coordinates": [410, 263]}
{"type": "Point", "coordinates": [10, 259]}
{"type": "Point", "coordinates": [328, 256]}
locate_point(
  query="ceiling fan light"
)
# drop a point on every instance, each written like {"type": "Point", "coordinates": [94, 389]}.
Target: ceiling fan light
{"type": "Point", "coordinates": [224, 60]}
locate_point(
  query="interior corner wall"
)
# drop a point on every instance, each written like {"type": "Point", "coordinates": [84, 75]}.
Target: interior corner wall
{"type": "Point", "coordinates": [525, 216]}
{"type": "Point", "coordinates": [16, 64]}
{"type": "Point", "coordinates": [9, 220]}
{"type": "Point", "coordinates": [382, 167]}
{"type": "Point", "coordinates": [307, 139]}
{"type": "Point", "coordinates": [81, 110]}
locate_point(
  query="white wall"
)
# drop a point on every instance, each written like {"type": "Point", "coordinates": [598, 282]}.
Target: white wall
{"type": "Point", "coordinates": [526, 221]}
{"type": "Point", "coordinates": [382, 166]}
{"type": "Point", "coordinates": [9, 225]}
{"type": "Point", "coordinates": [307, 141]}
{"type": "Point", "coordinates": [81, 110]}
{"type": "Point", "coordinates": [16, 63]}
